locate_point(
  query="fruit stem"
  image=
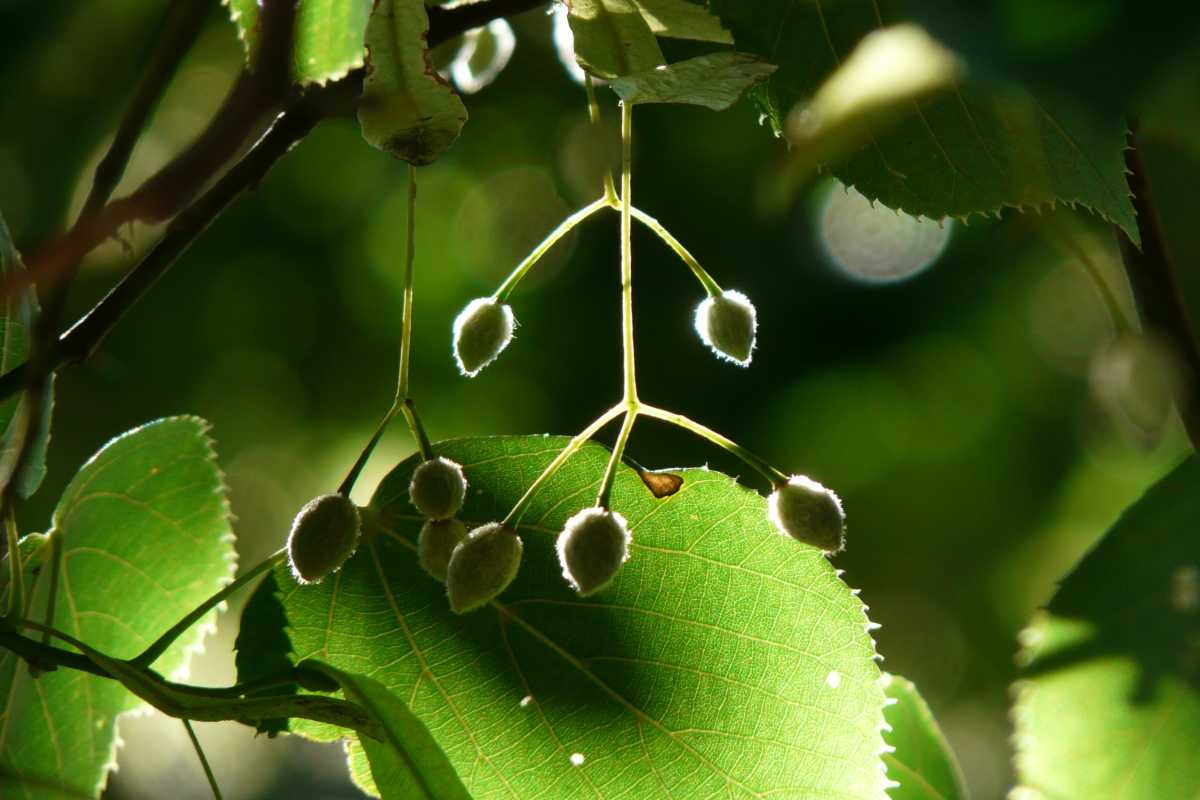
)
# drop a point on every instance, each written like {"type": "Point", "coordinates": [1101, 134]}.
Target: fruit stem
{"type": "Point", "coordinates": [16, 583]}
{"type": "Point", "coordinates": [773, 475]}
{"type": "Point", "coordinates": [56, 556]}
{"type": "Point", "coordinates": [514, 516]}
{"type": "Point", "coordinates": [610, 471]}
{"type": "Point", "coordinates": [631, 398]}
{"type": "Point", "coordinates": [406, 312]}
{"type": "Point", "coordinates": [564, 227]}
{"type": "Point", "coordinates": [159, 646]}
{"type": "Point", "coordinates": [705, 279]}
{"type": "Point", "coordinates": [208, 773]}
{"type": "Point", "coordinates": [610, 191]}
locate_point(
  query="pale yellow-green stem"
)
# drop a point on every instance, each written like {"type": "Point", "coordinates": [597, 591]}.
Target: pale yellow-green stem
{"type": "Point", "coordinates": [769, 472]}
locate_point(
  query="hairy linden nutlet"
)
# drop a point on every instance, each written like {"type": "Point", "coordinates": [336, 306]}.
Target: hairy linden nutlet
{"type": "Point", "coordinates": [809, 513]}
{"type": "Point", "coordinates": [592, 547]}
{"type": "Point", "coordinates": [324, 534]}
{"type": "Point", "coordinates": [482, 566]}
{"type": "Point", "coordinates": [438, 488]}
{"type": "Point", "coordinates": [436, 544]}
{"type": "Point", "coordinates": [727, 323]}
{"type": "Point", "coordinates": [481, 331]}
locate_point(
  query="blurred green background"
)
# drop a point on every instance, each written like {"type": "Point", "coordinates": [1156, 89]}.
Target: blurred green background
{"type": "Point", "coordinates": [975, 418]}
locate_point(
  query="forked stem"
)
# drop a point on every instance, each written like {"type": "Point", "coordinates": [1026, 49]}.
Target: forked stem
{"type": "Point", "coordinates": [766, 470]}
{"type": "Point", "coordinates": [614, 459]}
{"type": "Point", "coordinates": [564, 227]}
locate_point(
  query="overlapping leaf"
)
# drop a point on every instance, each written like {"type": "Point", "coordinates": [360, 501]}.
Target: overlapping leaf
{"type": "Point", "coordinates": [612, 38]}
{"type": "Point", "coordinates": [145, 534]}
{"type": "Point", "coordinates": [922, 764]}
{"type": "Point", "coordinates": [407, 109]}
{"type": "Point", "coordinates": [715, 81]}
{"type": "Point", "coordinates": [1109, 702]}
{"type": "Point", "coordinates": [724, 659]}
{"type": "Point", "coordinates": [975, 149]}
{"type": "Point", "coordinates": [17, 311]}
{"type": "Point", "coordinates": [328, 39]}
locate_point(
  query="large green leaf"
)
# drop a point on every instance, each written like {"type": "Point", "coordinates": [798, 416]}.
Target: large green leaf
{"type": "Point", "coordinates": [406, 108]}
{"type": "Point", "coordinates": [1109, 701]}
{"type": "Point", "coordinates": [145, 534]}
{"type": "Point", "coordinates": [975, 149]}
{"type": "Point", "coordinates": [328, 40]}
{"type": "Point", "coordinates": [612, 38]}
{"type": "Point", "coordinates": [724, 659]}
{"type": "Point", "coordinates": [17, 312]}
{"type": "Point", "coordinates": [407, 764]}
{"type": "Point", "coordinates": [922, 764]}
{"type": "Point", "coordinates": [715, 81]}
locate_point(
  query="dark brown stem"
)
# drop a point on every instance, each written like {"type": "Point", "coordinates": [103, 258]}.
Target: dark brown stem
{"type": "Point", "coordinates": [1156, 289]}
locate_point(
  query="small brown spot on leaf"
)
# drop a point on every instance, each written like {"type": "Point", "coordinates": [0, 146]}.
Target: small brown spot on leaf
{"type": "Point", "coordinates": [661, 484]}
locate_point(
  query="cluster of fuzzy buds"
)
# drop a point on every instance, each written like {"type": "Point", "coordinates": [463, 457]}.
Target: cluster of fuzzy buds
{"type": "Point", "coordinates": [809, 513]}
{"type": "Point", "coordinates": [727, 323]}
{"type": "Point", "coordinates": [482, 566]}
{"type": "Point", "coordinates": [438, 488]}
{"type": "Point", "coordinates": [481, 331]}
{"type": "Point", "coordinates": [324, 534]}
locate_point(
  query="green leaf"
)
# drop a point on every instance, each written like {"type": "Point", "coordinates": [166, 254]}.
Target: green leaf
{"type": "Point", "coordinates": [680, 19]}
{"type": "Point", "coordinates": [975, 149]}
{"type": "Point", "coordinates": [715, 81]}
{"type": "Point", "coordinates": [923, 763]}
{"type": "Point", "coordinates": [724, 658]}
{"type": "Point", "coordinates": [612, 38]}
{"type": "Point", "coordinates": [17, 312]}
{"type": "Point", "coordinates": [1108, 704]}
{"type": "Point", "coordinates": [144, 528]}
{"type": "Point", "coordinates": [328, 39]}
{"type": "Point", "coordinates": [406, 108]}
{"type": "Point", "coordinates": [408, 763]}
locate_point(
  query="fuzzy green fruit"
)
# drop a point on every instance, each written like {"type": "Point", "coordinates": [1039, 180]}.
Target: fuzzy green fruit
{"type": "Point", "coordinates": [324, 534]}
{"type": "Point", "coordinates": [809, 513]}
{"type": "Point", "coordinates": [482, 566]}
{"type": "Point", "coordinates": [436, 544]}
{"type": "Point", "coordinates": [727, 323]}
{"type": "Point", "coordinates": [481, 331]}
{"type": "Point", "coordinates": [438, 488]}
{"type": "Point", "coordinates": [592, 547]}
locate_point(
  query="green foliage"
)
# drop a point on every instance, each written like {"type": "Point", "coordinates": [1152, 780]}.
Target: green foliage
{"type": "Point", "coordinates": [328, 41]}
{"type": "Point", "coordinates": [1108, 705]}
{"type": "Point", "coordinates": [17, 312]}
{"type": "Point", "coordinates": [145, 537]}
{"type": "Point", "coordinates": [973, 150]}
{"type": "Point", "coordinates": [407, 764]}
{"type": "Point", "coordinates": [683, 19]}
{"type": "Point", "coordinates": [406, 108]}
{"type": "Point", "coordinates": [922, 763]}
{"type": "Point", "coordinates": [715, 81]}
{"type": "Point", "coordinates": [723, 657]}
{"type": "Point", "coordinates": [612, 38]}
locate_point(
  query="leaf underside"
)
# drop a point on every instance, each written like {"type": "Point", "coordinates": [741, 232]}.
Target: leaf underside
{"type": "Point", "coordinates": [328, 40]}
{"type": "Point", "coordinates": [974, 150]}
{"type": "Point", "coordinates": [612, 38]}
{"type": "Point", "coordinates": [1109, 701]}
{"type": "Point", "coordinates": [703, 670]}
{"type": "Point", "coordinates": [922, 763]}
{"type": "Point", "coordinates": [715, 81]}
{"type": "Point", "coordinates": [145, 533]}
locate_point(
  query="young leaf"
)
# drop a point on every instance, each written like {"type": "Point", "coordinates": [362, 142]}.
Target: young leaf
{"type": "Point", "coordinates": [407, 109]}
{"type": "Point", "coordinates": [17, 311]}
{"type": "Point", "coordinates": [145, 533]}
{"type": "Point", "coordinates": [328, 40]}
{"type": "Point", "coordinates": [715, 81]}
{"type": "Point", "coordinates": [407, 764]}
{"type": "Point", "coordinates": [722, 658]}
{"type": "Point", "coordinates": [975, 149]}
{"type": "Point", "coordinates": [681, 19]}
{"type": "Point", "coordinates": [1109, 700]}
{"type": "Point", "coordinates": [923, 763]}
{"type": "Point", "coordinates": [612, 38]}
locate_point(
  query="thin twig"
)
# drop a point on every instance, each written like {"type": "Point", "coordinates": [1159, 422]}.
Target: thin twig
{"type": "Point", "coordinates": [1156, 289]}
{"type": "Point", "coordinates": [208, 773]}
